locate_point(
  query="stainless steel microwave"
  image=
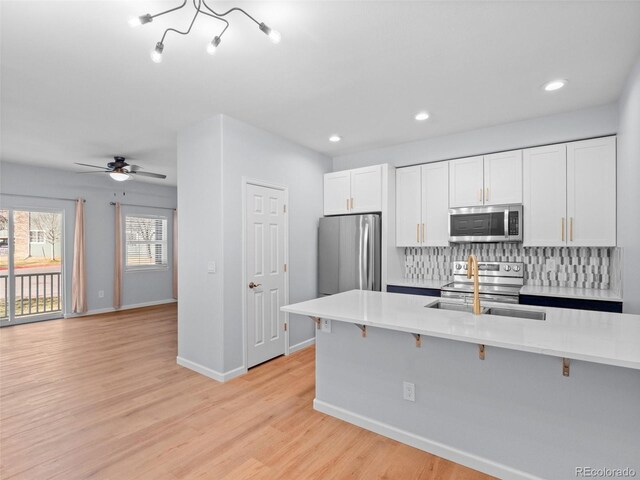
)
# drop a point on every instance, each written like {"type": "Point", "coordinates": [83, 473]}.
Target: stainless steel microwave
{"type": "Point", "coordinates": [498, 223]}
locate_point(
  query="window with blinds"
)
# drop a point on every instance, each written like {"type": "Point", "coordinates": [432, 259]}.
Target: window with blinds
{"type": "Point", "coordinates": [146, 241]}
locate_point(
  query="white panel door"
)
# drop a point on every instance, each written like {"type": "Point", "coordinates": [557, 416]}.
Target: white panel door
{"type": "Point", "coordinates": [366, 189]}
{"type": "Point", "coordinates": [337, 193]}
{"type": "Point", "coordinates": [591, 192]}
{"type": "Point", "coordinates": [265, 236]}
{"type": "Point", "coordinates": [466, 182]}
{"type": "Point", "coordinates": [503, 178]}
{"type": "Point", "coordinates": [408, 216]}
{"type": "Point", "coordinates": [545, 196]}
{"type": "Point", "coordinates": [435, 204]}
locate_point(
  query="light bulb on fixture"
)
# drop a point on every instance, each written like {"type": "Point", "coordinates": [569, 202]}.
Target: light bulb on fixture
{"type": "Point", "coordinates": [156, 53]}
{"type": "Point", "coordinates": [141, 20]}
{"type": "Point", "coordinates": [119, 175]}
{"type": "Point", "coordinates": [273, 35]}
{"type": "Point", "coordinates": [554, 85]}
{"type": "Point", "coordinates": [213, 46]}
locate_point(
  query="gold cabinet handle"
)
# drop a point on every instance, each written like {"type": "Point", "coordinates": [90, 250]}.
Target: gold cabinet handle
{"type": "Point", "coordinates": [486, 196]}
{"type": "Point", "coordinates": [563, 229]}
{"type": "Point", "coordinates": [418, 232]}
{"type": "Point", "coordinates": [347, 204]}
{"type": "Point", "coordinates": [480, 195]}
{"type": "Point", "coordinates": [571, 229]}
{"type": "Point", "coordinates": [423, 233]}
{"type": "Point", "coordinates": [351, 203]}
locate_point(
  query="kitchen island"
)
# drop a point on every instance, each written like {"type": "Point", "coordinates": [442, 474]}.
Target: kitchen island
{"type": "Point", "coordinates": [512, 397]}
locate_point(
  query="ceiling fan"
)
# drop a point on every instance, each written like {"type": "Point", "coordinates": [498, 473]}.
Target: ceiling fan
{"type": "Point", "coordinates": [120, 170]}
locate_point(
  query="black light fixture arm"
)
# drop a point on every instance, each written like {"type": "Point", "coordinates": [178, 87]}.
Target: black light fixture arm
{"type": "Point", "coordinates": [190, 25]}
{"type": "Point", "coordinates": [170, 10]}
{"type": "Point", "coordinates": [229, 11]}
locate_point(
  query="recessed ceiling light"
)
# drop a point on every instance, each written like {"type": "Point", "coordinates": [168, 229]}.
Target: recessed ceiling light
{"type": "Point", "coordinates": [554, 85]}
{"type": "Point", "coordinates": [335, 138]}
{"type": "Point", "coordinates": [421, 116]}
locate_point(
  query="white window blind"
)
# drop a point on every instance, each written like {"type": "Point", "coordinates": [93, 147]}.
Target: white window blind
{"type": "Point", "coordinates": [146, 241]}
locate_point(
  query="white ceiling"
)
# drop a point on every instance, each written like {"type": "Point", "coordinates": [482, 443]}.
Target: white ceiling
{"type": "Point", "coordinates": [78, 84]}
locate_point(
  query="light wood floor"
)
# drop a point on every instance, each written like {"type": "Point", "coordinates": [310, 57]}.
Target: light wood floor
{"type": "Point", "coordinates": [102, 397]}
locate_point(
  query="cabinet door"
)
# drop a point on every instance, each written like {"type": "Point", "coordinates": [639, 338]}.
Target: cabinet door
{"type": "Point", "coordinates": [337, 192]}
{"type": "Point", "coordinates": [503, 178]}
{"type": "Point", "coordinates": [545, 196]}
{"type": "Point", "coordinates": [466, 182]}
{"type": "Point", "coordinates": [366, 189]}
{"type": "Point", "coordinates": [408, 219]}
{"type": "Point", "coordinates": [435, 204]}
{"type": "Point", "coordinates": [591, 192]}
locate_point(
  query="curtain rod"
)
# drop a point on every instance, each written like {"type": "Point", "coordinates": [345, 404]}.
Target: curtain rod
{"type": "Point", "coordinates": [42, 196]}
{"type": "Point", "coordinates": [144, 206]}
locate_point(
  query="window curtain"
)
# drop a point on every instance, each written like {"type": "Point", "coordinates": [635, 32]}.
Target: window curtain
{"type": "Point", "coordinates": [175, 254]}
{"type": "Point", "coordinates": [117, 260]}
{"type": "Point", "coordinates": [78, 276]}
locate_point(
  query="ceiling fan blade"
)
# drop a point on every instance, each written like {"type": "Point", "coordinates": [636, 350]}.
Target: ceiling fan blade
{"type": "Point", "coordinates": [149, 174]}
{"type": "Point", "coordinates": [103, 171]}
{"type": "Point", "coordinates": [87, 165]}
{"type": "Point", "coordinates": [134, 168]}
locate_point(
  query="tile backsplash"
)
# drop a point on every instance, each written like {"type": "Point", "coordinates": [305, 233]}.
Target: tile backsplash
{"type": "Point", "coordinates": [579, 267]}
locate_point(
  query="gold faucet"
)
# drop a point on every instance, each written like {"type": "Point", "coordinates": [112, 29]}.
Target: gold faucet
{"type": "Point", "coordinates": [472, 270]}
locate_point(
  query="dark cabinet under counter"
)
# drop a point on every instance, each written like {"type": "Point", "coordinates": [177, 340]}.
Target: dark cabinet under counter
{"type": "Point", "coordinates": [428, 292]}
{"type": "Point", "coordinates": [574, 303]}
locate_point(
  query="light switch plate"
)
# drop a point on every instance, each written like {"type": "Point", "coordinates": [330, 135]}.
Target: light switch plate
{"type": "Point", "coordinates": [550, 265]}
{"type": "Point", "coordinates": [409, 391]}
{"type": "Point", "coordinates": [325, 325]}
{"type": "Point", "coordinates": [211, 267]}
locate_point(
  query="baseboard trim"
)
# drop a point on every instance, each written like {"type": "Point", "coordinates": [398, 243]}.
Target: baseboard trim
{"type": "Point", "coordinates": [209, 372]}
{"type": "Point", "coordinates": [98, 311]}
{"type": "Point", "coordinates": [436, 448]}
{"type": "Point", "coordinates": [302, 345]}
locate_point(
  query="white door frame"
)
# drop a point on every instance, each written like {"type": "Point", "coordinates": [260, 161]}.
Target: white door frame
{"type": "Point", "coordinates": [260, 183]}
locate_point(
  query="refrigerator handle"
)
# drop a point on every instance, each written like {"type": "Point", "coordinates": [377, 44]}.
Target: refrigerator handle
{"type": "Point", "coordinates": [368, 257]}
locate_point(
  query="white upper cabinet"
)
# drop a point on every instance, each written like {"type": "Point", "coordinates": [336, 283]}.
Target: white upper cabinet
{"type": "Point", "coordinates": [591, 192]}
{"type": "Point", "coordinates": [408, 207]}
{"type": "Point", "coordinates": [544, 196]}
{"type": "Point", "coordinates": [435, 204]}
{"type": "Point", "coordinates": [466, 182]}
{"type": "Point", "coordinates": [422, 203]}
{"type": "Point", "coordinates": [503, 178]}
{"type": "Point", "coordinates": [366, 189]}
{"type": "Point", "coordinates": [353, 191]}
{"type": "Point", "coordinates": [337, 193]}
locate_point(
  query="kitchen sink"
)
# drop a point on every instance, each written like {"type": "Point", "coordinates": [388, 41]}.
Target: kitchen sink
{"type": "Point", "coordinates": [500, 311]}
{"type": "Point", "coordinates": [512, 312]}
{"type": "Point", "coordinates": [457, 307]}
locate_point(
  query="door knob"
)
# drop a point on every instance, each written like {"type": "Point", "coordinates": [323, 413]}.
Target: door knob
{"type": "Point", "coordinates": [254, 285]}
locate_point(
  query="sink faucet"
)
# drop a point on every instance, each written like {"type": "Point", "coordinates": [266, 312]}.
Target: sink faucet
{"type": "Point", "coordinates": [472, 270]}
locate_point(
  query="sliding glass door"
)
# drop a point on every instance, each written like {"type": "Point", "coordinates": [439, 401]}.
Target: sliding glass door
{"type": "Point", "coordinates": [31, 273]}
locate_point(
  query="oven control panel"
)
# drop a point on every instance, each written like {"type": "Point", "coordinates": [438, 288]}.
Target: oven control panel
{"type": "Point", "coordinates": [491, 269]}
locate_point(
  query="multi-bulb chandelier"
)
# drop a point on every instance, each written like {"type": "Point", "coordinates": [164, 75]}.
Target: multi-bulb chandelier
{"type": "Point", "coordinates": [156, 53]}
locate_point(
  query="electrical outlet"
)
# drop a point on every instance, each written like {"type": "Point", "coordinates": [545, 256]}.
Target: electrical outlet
{"type": "Point", "coordinates": [211, 267]}
{"type": "Point", "coordinates": [325, 325]}
{"type": "Point", "coordinates": [409, 391]}
{"type": "Point", "coordinates": [100, 293]}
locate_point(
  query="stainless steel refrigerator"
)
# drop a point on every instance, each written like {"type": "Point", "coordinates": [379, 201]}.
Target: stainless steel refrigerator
{"type": "Point", "coordinates": [349, 255]}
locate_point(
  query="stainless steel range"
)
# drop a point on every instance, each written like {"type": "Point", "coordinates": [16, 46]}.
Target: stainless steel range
{"type": "Point", "coordinates": [499, 282]}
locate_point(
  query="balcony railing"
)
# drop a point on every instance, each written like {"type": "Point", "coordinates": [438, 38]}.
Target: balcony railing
{"type": "Point", "coordinates": [35, 293]}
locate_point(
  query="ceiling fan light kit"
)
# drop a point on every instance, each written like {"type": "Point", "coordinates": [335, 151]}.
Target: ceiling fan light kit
{"type": "Point", "coordinates": [204, 9]}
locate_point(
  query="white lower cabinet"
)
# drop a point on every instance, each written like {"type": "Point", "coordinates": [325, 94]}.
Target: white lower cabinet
{"type": "Point", "coordinates": [422, 201]}
{"type": "Point", "coordinates": [569, 194]}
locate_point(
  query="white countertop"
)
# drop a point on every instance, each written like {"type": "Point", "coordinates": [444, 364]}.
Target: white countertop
{"type": "Point", "coordinates": [566, 292]}
{"type": "Point", "coordinates": [600, 337]}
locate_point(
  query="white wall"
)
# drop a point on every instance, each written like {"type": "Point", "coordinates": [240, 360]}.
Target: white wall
{"type": "Point", "coordinates": [138, 287]}
{"type": "Point", "coordinates": [629, 189]}
{"type": "Point", "coordinates": [213, 158]}
{"type": "Point", "coordinates": [591, 122]}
